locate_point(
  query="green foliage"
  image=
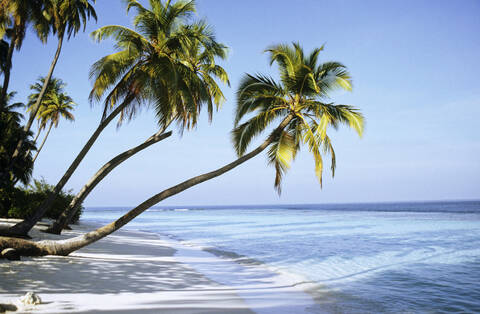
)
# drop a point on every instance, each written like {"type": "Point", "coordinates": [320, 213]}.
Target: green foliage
{"type": "Point", "coordinates": [166, 60]}
{"type": "Point", "coordinates": [11, 132]}
{"type": "Point", "coordinates": [299, 97]}
{"type": "Point", "coordinates": [17, 15]}
{"type": "Point", "coordinates": [67, 17]}
{"type": "Point", "coordinates": [55, 103]}
{"type": "Point", "coordinates": [23, 202]}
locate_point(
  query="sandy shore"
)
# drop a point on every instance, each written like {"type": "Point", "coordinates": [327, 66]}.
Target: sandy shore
{"type": "Point", "coordinates": [137, 272]}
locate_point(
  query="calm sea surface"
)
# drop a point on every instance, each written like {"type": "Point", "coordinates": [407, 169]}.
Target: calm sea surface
{"type": "Point", "coordinates": [365, 258]}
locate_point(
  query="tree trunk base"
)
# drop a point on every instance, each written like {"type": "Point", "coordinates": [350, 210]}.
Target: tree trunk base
{"type": "Point", "coordinates": [22, 247]}
{"type": "Point", "coordinates": [52, 230]}
{"type": "Point", "coordinates": [7, 307]}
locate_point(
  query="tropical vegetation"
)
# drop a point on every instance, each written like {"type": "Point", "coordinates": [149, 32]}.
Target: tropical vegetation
{"type": "Point", "coordinates": [61, 18]}
{"type": "Point", "coordinates": [167, 62]}
{"type": "Point", "coordinates": [11, 130]}
{"type": "Point", "coordinates": [55, 105]}
{"type": "Point", "coordinates": [22, 202]}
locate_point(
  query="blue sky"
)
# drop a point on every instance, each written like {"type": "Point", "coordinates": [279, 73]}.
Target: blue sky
{"type": "Point", "coordinates": [415, 73]}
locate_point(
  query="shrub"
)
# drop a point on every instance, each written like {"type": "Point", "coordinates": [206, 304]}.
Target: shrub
{"type": "Point", "coordinates": [22, 202]}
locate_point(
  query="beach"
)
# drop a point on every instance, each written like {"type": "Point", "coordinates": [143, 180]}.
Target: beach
{"type": "Point", "coordinates": [137, 272]}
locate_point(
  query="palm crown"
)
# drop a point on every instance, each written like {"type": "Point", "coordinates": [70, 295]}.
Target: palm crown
{"type": "Point", "coordinates": [301, 99]}
{"type": "Point", "coordinates": [66, 17]}
{"type": "Point", "coordinates": [54, 87]}
{"type": "Point", "coordinates": [55, 107]}
{"type": "Point", "coordinates": [165, 61]}
{"type": "Point", "coordinates": [15, 15]}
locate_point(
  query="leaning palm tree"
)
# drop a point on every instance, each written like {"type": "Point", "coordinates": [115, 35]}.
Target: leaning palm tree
{"type": "Point", "coordinates": [150, 68]}
{"type": "Point", "coordinates": [55, 107]}
{"type": "Point", "coordinates": [299, 105]}
{"type": "Point", "coordinates": [180, 100]}
{"type": "Point", "coordinates": [66, 18]}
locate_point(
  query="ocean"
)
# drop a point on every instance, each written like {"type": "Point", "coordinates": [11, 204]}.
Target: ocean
{"type": "Point", "coordinates": [419, 257]}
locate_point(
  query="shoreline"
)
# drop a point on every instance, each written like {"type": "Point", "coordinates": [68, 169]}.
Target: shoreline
{"type": "Point", "coordinates": [138, 271]}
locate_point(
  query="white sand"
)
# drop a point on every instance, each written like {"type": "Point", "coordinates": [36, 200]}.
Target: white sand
{"type": "Point", "coordinates": [136, 272]}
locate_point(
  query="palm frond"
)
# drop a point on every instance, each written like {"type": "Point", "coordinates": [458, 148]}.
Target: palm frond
{"type": "Point", "coordinates": [328, 149]}
{"type": "Point", "coordinates": [244, 133]}
{"type": "Point", "coordinates": [258, 93]}
{"type": "Point", "coordinates": [280, 153]}
{"type": "Point", "coordinates": [352, 117]}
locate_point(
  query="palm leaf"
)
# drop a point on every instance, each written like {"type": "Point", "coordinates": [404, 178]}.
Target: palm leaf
{"type": "Point", "coordinates": [280, 153]}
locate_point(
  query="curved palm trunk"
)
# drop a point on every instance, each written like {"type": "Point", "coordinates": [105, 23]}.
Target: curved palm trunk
{"type": "Point", "coordinates": [6, 74]}
{"type": "Point", "coordinates": [36, 106]}
{"type": "Point", "coordinates": [74, 205]}
{"type": "Point", "coordinates": [43, 142]}
{"type": "Point", "coordinates": [22, 228]}
{"type": "Point", "coordinates": [65, 247]}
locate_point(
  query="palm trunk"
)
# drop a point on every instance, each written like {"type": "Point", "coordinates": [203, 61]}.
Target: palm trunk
{"type": "Point", "coordinates": [34, 141]}
{"type": "Point", "coordinates": [43, 142]}
{"type": "Point", "coordinates": [22, 228]}
{"type": "Point", "coordinates": [36, 106]}
{"type": "Point", "coordinates": [65, 247]}
{"type": "Point", "coordinates": [37, 136]}
{"type": "Point", "coordinates": [72, 209]}
{"type": "Point", "coordinates": [6, 74]}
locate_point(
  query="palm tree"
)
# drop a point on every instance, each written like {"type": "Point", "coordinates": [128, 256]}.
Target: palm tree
{"type": "Point", "coordinates": [195, 72]}
{"type": "Point", "coordinates": [297, 101]}
{"type": "Point", "coordinates": [66, 18]}
{"type": "Point", "coordinates": [15, 15]}
{"type": "Point", "coordinates": [55, 86]}
{"type": "Point", "coordinates": [200, 67]}
{"type": "Point", "coordinates": [53, 109]}
{"type": "Point", "coordinates": [151, 67]}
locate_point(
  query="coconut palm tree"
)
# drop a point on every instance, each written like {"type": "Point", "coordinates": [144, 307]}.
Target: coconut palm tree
{"type": "Point", "coordinates": [55, 86]}
{"type": "Point", "coordinates": [297, 103]}
{"type": "Point", "coordinates": [151, 68]}
{"type": "Point", "coordinates": [15, 15]}
{"type": "Point", "coordinates": [195, 71]}
{"type": "Point", "coordinates": [66, 18]}
{"type": "Point", "coordinates": [54, 107]}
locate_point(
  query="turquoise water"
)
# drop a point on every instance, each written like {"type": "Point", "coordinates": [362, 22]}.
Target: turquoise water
{"type": "Point", "coordinates": [364, 258]}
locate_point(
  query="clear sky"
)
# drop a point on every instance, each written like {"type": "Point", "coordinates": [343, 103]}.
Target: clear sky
{"type": "Point", "coordinates": [415, 68]}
